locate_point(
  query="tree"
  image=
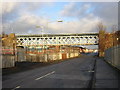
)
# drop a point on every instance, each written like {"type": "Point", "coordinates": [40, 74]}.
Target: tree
{"type": "Point", "coordinates": [101, 36]}
{"type": "Point", "coordinates": [100, 26]}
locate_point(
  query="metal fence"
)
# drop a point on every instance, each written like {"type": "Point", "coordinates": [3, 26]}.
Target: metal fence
{"type": "Point", "coordinates": [112, 56]}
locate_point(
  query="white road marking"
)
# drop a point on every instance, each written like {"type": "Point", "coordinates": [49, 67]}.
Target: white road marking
{"type": "Point", "coordinates": [45, 75]}
{"type": "Point", "coordinates": [16, 87]}
{"type": "Point", "coordinates": [90, 71]}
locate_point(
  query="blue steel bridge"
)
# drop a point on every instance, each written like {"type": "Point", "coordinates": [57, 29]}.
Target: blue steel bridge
{"type": "Point", "coordinates": [58, 39]}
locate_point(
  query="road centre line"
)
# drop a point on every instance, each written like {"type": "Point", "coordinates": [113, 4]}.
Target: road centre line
{"type": "Point", "coordinates": [16, 87]}
{"type": "Point", "coordinates": [45, 75]}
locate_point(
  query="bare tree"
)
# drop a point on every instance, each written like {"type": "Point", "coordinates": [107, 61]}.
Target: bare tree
{"type": "Point", "coordinates": [114, 28]}
{"type": "Point", "coordinates": [102, 32]}
{"type": "Point", "coordinates": [100, 26]}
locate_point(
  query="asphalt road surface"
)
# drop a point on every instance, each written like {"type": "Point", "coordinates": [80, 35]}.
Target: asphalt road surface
{"type": "Point", "coordinates": [73, 73]}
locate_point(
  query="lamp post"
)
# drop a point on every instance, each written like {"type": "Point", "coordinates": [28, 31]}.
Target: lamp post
{"type": "Point", "coordinates": [47, 29]}
{"type": "Point", "coordinates": [53, 21]}
{"type": "Point", "coordinates": [42, 34]}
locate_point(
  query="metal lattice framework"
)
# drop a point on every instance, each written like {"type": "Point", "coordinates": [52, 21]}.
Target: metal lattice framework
{"type": "Point", "coordinates": [58, 39]}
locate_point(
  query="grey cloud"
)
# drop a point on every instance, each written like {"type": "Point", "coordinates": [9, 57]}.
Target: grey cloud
{"type": "Point", "coordinates": [68, 10]}
{"type": "Point", "coordinates": [24, 21]}
{"type": "Point", "coordinates": [107, 12]}
{"type": "Point", "coordinates": [25, 24]}
{"type": "Point", "coordinates": [13, 10]}
{"type": "Point", "coordinates": [9, 11]}
{"type": "Point", "coordinates": [80, 26]}
{"type": "Point", "coordinates": [19, 17]}
{"type": "Point", "coordinates": [75, 10]}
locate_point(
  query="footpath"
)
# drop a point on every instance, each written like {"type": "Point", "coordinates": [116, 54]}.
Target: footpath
{"type": "Point", "coordinates": [106, 76]}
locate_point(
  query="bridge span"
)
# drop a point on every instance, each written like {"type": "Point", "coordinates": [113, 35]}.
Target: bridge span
{"type": "Point", "coordinates": [58, 39]}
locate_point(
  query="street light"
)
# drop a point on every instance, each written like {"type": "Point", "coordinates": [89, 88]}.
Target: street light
{"type": "Point", "coordinates": [47, 28]}
{"type": "Point", "coordinates": [42, 33]}
{"type": "Point", "coordinates": [60, 21]}
{"type": "Point", "coordinates": [54, 21]}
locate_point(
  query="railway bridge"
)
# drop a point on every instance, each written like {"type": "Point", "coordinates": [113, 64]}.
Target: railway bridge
{"type": "Point", "coordinates": [58, 39]}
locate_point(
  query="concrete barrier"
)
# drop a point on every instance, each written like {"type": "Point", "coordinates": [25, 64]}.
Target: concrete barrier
{"type": "Point", "coordinates": [22, 56]}
{"type": "Point", "coordinates": [8, 61]}
{"type": "Point", "coordinates": [49, 57]}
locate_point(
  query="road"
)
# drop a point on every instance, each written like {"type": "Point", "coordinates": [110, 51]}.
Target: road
{"type": "Point", "coordinates": [73, 73]}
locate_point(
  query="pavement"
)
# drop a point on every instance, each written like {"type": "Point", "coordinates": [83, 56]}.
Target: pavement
{"type": "Point", "coordinates": [73, 73]}
{"type": "Point", "coordinates": [106, 76]}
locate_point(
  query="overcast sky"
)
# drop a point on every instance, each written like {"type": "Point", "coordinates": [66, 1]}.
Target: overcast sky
{"type": "Point", "coordinates": [78, 17]}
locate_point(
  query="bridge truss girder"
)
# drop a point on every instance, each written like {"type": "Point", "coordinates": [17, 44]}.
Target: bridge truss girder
{"type": "Point", "coordinates": [89, 39]}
